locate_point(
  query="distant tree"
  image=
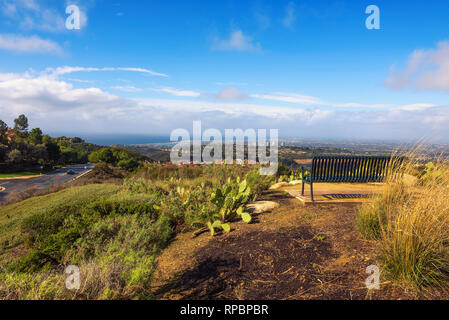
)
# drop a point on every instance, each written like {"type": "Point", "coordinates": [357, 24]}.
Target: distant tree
{"type": "Point", "coordinates": [31, 153]}
{"type": "Point", "coordinates": [53, 151]}
{"type": "Point", "coordinates": [3, 127]}
{"type": "Point", "coordinates": [47, 139]}
{"type": "Point", "coordinates": [35, 153]}
{"type": "Point", "coordinates": [3, 130]}
{"type": "Point", "coordinates": [129, 164]}
{"type": "Point", "coordinates": [21, 126]}
{"type": "Point", "coordinates": [35, 136]}
{"type": "Point", "coordinates": [122, 155]}
{"type": "Point", "coordinates": [69, 155]}
{"type": "Point", "coordinates": [103, 155]}
{"type": "Point", "coordinates": [77, 140]}
{"type": "Point", "coordinates": [3, 152]}
{"type": "Point", "coordinates": [15, 157]}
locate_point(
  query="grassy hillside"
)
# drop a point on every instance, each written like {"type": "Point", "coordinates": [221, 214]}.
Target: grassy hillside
{"type": "Point", "coordinates": [12, 216]}
{"type": "Point", "coordinates": [114, 233]}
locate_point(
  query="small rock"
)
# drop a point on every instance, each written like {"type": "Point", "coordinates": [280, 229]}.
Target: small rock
{"type": "Point", "coordinates": [278, 185]}
{"type": "Point", "coordinates": [261, 206]}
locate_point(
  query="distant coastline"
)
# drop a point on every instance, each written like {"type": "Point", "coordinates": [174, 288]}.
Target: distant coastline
{"type": "Point", "coordinates": [140, 139]}
{"type": "Point", "coordinates": [119, 139]}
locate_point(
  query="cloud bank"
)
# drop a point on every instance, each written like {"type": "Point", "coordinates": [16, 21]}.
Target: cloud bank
{"type": "Point", "coordinates": [35, 44]}
{"type": "Point", "coordinates": [58, 106]}
{"type": "Point", "coordinates": [425, 70]}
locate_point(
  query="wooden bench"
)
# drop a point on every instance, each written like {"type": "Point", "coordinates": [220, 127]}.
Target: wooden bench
{"type": "Point", "coordinates": [349, 169]}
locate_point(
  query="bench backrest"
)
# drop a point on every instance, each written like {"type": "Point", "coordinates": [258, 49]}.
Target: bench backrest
{"type": "Point", "coordinates": [349, 168]}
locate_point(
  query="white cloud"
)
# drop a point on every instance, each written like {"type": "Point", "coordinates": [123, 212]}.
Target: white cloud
{"type": "Point", "coordinates": [290, 15]}
{"type": "Point", "coordinates": [231, 94]}
{"type": "Point", "coordinates": [227, 94]}
{"type": "Point", "coordinates": [41, 94]}
{"type": "Point", "coordinates": [59, 106]}
{"type": "Point", "coordinates": [28, 4]}
{"type": "Point", "coordinates": [235, 109]}
{"type": "Point", "coordinates": [17, 43]}
{"type": "Point", "coordinates": [80, 80]}
{"type": "Point", "coordinates": [127, 88]}
{"type": "Point", "coordinates": [67, 69]}
{"type": "Point", "coordinates": [30, 15]}
{"type": "Point", "coordinates": [143, 71]}
{"type": "Point", "coordinates": [426, 70]}
{"type": "Point", "coordinates": [12, 76]}
{"type": "Point", "coordinates": [416, 107]}
{"type": "Point", "coordinates": [361, 105]}
{"type": "Point", "coordinates": [49, 20]}
{"type": "Point", "coordinates": [234, 94]}
{"type": "Point", "coordinates": [237, 42]}
{"type": "Point", "coordinates": [314, 101]}
{"type": "Point", "coordinates": [178, 92]}
{"type": "Point", "coordinates": [9, 9]}
{"type": "Point", "coordinates": [290, 97]}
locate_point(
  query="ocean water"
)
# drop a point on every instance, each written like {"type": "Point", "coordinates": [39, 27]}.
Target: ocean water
{"type": "Point", "coordinates": [109, 139]}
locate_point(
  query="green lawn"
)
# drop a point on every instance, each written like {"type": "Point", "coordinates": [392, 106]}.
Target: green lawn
{"type": "Point", "coordinates": [20, 174]}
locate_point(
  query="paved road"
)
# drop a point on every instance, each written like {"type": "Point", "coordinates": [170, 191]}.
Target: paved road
{"type": "Point", "coordinates": [42, 182]}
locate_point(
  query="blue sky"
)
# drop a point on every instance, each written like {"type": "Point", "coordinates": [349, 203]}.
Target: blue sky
{"type": "Point", "coordinates": [308, 68]}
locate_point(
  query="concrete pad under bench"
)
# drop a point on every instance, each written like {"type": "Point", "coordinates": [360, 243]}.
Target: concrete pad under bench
{"type": "Point", "coordinates": [330, 193]}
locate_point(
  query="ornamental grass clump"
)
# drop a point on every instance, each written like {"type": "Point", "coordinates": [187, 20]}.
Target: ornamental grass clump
{"type": "Point", "coordinates": [411, 221]}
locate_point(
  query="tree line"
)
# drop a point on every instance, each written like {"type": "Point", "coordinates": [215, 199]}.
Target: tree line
{"type": "Point", "coordinates": [21, 147]}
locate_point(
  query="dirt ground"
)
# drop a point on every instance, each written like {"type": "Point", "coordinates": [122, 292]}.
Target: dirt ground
{"type": "Point", "coordinates": [293, 252]}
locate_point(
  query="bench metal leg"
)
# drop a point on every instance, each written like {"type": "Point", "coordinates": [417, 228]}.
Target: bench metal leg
{"type": "Point", "coordinates": [302, 180]}
{"type": "Point", "coordinates": [311, 190]}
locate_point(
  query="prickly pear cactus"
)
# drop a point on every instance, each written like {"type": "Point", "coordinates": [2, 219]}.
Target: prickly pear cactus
{"type": "Point", "coordinates": [230, 197]}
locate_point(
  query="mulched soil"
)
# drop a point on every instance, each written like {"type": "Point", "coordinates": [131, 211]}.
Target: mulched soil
{"type": "Point", "coordinates": [293, 252]}
{"type": "Point", "coordinates": [267, 265]}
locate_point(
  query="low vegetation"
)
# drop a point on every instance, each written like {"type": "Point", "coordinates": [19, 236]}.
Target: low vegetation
{"type": "Point", "coordinates": [118, 221]}
{"type": "Point", "coordinates": [125, 159]}
{"type": "Point", "coordinates": [114, 233]}
{"type": "Point", "coordinates": [410, 221]}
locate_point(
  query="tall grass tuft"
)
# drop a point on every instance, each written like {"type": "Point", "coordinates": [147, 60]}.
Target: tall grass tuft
{"type": "Point", "coordinates": [411, 221]}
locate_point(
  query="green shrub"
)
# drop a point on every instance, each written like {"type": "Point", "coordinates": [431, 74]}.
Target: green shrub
{"type": "Point", "coordinates": [124, 158]}
{"type": "Point", "coordinates": [52, 234]}
{"type": "Point", "coordinates": [258, 183]}
{"type": "Point", "coordinates": [120, 207]}
{"type": "Point", "coordinates": [128, 164]}
{"type": "Point", "coordinates": [431, 174]}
